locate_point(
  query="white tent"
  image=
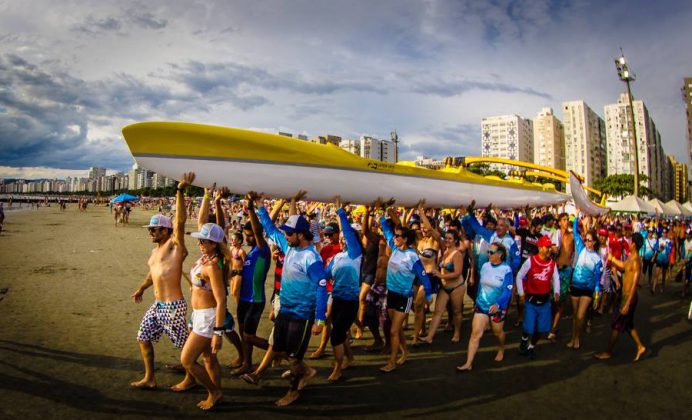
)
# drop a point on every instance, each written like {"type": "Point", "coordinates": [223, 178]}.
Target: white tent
{"type": "Point", "coordinates": [662, 208]}
{"type": "Point", "coordinates": [687, 205]}
{"type": "Point", "coordinates": [632, 204]}
{"type": "Point", "coordinates": [682, 210]}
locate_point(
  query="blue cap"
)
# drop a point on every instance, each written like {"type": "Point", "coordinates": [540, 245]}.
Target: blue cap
{"type": "Point", "coordinates": [295, 223]}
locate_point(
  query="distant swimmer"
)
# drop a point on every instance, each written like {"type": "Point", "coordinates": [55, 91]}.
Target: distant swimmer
{"type": "Point", "coordinates": [168, 312]}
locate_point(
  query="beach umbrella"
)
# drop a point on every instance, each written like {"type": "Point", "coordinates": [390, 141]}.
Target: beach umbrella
{"type": "Point", "coordinates": [124, 198]}
{"type": "Point", "coordinates": [632, 204]}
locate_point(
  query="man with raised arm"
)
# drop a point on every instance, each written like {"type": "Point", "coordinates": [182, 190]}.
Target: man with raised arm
{"type": "Point", "coordinates": [303, 297]}
{"type": "Point", "coordinates": [168, 312]}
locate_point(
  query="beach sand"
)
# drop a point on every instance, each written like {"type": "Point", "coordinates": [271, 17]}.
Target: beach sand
{"type": "Point", "coordinates": [68, 348]}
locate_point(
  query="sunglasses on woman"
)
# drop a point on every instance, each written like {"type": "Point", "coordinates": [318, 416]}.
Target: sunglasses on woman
{"type": "Point", "coordinates": [493, 252]}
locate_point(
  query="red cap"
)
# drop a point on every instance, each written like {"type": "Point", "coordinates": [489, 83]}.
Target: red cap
{"type": "Point", "coordinates": [602, 232]}
{"type": "Point", "coordinates": [523, 221]}
{"type": "Point", "coordinates": [544, 241]}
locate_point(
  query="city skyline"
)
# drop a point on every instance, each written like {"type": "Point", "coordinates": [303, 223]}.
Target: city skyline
{"type": "Point", "coordinates": [431, 70]}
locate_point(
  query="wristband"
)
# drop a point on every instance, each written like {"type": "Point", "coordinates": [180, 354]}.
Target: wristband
{"type": "Point", "coordinates": [219, 328]}
{"type": "Point", "coordinates": [218, 333]}
{"type": "Point", "coordinates": [319, 322]}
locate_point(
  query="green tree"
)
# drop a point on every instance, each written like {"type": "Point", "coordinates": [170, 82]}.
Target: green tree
{"type": "Point", "coordinates": [485, 170]}
{"type": "Point", "coordinates": [620, 185]}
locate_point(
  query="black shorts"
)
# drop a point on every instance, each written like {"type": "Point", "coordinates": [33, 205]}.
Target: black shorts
{"type": "Point", "coordinates": [249, 314]}
{"type": "Point", "coordinates": [399, 303]}
{"type": "Point", "coordinates": [368, 279]}
{"type": "Point", "coordinates": [663, 265]}
{"type": "Point", "coordinates": [580, 292]}
{"type": "Point", "coordinates": [648, 265]}
{"type": "Point", "coordinates": [344, 314]}
{"type": "Point", "coordinates": [292, 336]}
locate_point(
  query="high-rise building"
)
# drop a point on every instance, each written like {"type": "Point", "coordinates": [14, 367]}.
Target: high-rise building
{"type": "Point", "coordinates": [133, 178]}
{"type": "Point", "coordinates": [96, 173]}
{"type": "Point", "coordinates": [585, 149]}
{"type": "Point", "coordinates": [376, 149]}
{"type": "Point", "coordinates": [687, 98]}
{"type": "Point", "coordinates": [327, 139]}
{"type": "Point", "coordinates": [548, 140]}
{"type": "Point", "coordinates": [678, 181]}
{"type": "Point", "coordinates": [507, 136]}
{"type": "Point", "coordinates": [619, 143]}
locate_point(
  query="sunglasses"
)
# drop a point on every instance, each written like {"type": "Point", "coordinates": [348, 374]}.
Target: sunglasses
{"type": "Point", "coordinates": [154, 229]}
{"type": "Point", "coordinates": [590, 240]}
{"type": "Point", "coordinates": [205, 242]}
{"type": "Point", "coordinates": [493, 252]}
{"type": "Point", "coordinates": [398, 235]}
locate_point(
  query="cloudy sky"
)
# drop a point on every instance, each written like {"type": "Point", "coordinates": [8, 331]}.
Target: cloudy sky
{"type": "Point", "coordinates": [73, 73]}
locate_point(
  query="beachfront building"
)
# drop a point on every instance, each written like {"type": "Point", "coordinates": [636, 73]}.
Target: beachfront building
{"type": "Point", "coordinates": [507, 136]}
{"type": "Point", "coordinates": [352, 146]}
{"type": "Point", "coordinates": [428, 162]}
{"type": "Point", "coordinates": [548, 140]}
{"type": "Point", "coordinates": [96, 172]}
{"type": "Point", "coordinates": [376, 149]}
{"type": "Point", "coordinates": [652, 159]}
{"type": "Point", "coordinates": [327, 139]}
{"type": "Point", "coordinates": [585, 149]}
{"type": "Point", "coordinates": [677, 180]}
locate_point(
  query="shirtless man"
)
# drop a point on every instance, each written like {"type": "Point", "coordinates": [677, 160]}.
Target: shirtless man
{"type": "Point", "coordinates": [623, 320]}
{"type": "Point", "coordinates": [168, 312]}
{"type": "Point", "coordinates": [564, 266]}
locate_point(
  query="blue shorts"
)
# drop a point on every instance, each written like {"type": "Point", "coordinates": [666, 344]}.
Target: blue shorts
{"type": "Point", "coordinates": [565, 274]}
{"type": "Point", "coordinates": [537, 318]}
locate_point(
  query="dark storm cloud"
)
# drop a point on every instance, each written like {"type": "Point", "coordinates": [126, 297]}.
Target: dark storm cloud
{"type": "Point", "coordinates": [131, 18]}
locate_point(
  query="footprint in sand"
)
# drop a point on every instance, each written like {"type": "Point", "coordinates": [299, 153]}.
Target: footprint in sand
{"type": "Point", "coordinates": [3, 292]}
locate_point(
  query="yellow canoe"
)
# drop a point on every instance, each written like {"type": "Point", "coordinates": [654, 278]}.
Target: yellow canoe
{"type": "Point", "coordinates": [279, 166]}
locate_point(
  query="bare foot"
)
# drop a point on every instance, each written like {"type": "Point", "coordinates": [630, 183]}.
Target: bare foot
{"type": "Point", "coordinates": [250, 378]}
{"type": "Point", "coordinates": [236, 364]}
{"type": "Point", "coordinates": [552, 337]}
{"type": "Point", "coordinates": [211, 401]}
{"type": "Point", "coordinates": [144, 384]}
{"type": "Point", "coordinates": [500, 356]}
{"type": "Point", "coordinates": [455, 339]}
{"type": "Point", "coordinates": [286, 374]}
{"type": "Point", "coordinates": [241, 370]}
{"type": "Point", "coordinates": [289, 398]}
{"type": "Point", "coordinates": [309, 374]}
{"type": "Point", "coordinates": [640, 353]}
{"type": "Point", "coordinates": [317, 354]}
{"type": "Point", "coordinates": [335, 376]}
{"type": "Point", "coordinates": [603, 355]}
{"type": "Point", "coordinates": [389, 367]}
{"type": "Point", "coordinates": [425, 340]}
{"type": "Point", "coordinates": [570, 345]}
{"type": "Point", "coordinates": [576, 345]}
{"type": "Point", "coordinates": [184, 385]}
{"type": "Point", "coordinates": [402, 359]}
{"type": "Point", "coordinates": [358, 334]}
{"type": "Point", "coordinates": [464, 368]}
{"type": "Point", "coordinates": [347, 363]}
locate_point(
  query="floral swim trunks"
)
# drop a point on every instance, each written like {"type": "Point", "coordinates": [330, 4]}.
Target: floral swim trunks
{"type": "Point", "coordinates": [168, 317]}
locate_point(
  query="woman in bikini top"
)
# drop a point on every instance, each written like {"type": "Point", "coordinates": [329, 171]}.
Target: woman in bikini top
{"type": "Point", "coordinates": [453, 287]}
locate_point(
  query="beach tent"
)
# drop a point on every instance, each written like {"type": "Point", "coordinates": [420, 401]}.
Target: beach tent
{"type": "Point", "coordinates": [661, 207]}
{"type": "Point", "coordinates": [680, 209]}
{"type": "Point", "coordinates": [124, 198]}
{"type": "Point", "coordinates": [632, 204]}
{"type": "Point", "coordinates": [687, 205]}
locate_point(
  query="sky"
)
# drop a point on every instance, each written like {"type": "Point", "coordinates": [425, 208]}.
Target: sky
{"type": "Point", "coordinates": [73, 73]}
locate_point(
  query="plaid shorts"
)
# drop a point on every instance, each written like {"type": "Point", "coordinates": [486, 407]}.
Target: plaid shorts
{"type": "Point", "coordinates": [168, 317]}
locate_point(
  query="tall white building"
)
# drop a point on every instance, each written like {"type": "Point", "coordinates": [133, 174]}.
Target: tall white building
{"type": "Point", "coordinates": [652, 159]}
{"type": "Point", "coordinates": [507, 136]}
{"type": "Point", "coordinates": [133, 177]}
{"type": "Point", "coordinates": [585, 149]}
{"type": "Point", "coordinates": [376, 149]}
{"type": "Point", "coordinates": [548, 140]}
{"type": "Point", "coordinates": [96, 172]}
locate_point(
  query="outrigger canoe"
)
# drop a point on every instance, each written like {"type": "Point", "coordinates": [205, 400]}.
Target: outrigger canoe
{"type": "Point", "coordinates": [279, 166]}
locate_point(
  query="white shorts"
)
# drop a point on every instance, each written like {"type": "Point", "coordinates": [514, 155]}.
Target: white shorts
{"type": "Point", "coordinates": [203, 322]}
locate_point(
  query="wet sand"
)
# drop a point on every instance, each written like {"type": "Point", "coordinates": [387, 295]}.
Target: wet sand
{"type": "Point", "coordinates": [68, 348]}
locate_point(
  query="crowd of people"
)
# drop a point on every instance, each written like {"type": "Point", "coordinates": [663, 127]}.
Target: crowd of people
{"type": "Point", "coordinates": [340, 270]}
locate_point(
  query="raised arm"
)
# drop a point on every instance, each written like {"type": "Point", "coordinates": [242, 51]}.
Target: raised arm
{"type": "Point", "coordinates": [578, 242]}
{"type": "Point", "coordinates": [254, 201]}
{"type": "Point", "coordinates": [352, 243]}
{"type": "Point", "coordinates": [272, 232]}
{"type": "Point", "coordinates": [220, 194]}
{"type": "Point", "coordinates": [469, 222]}
{"type": "Point", "coordinates": [180, 213]}
{"type": "Point", "coordinates": [277, 208]}
{"type": "Point", "coordinates": [293, 207]}
{"type": "Point", "coordinates": [203, 215]}
{"type": "Point", "coordinates": [426, 222]}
